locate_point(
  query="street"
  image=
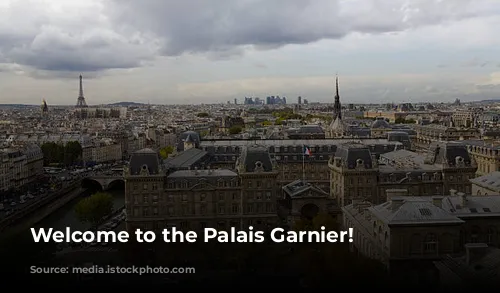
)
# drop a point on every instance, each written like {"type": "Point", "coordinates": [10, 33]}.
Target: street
{"type": "Point", "coordinates": [17, 201]}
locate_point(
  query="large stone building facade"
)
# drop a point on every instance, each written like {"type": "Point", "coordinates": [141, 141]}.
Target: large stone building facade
{"type": "Point", "coordinates": [406, 229]}
{"type": "Point", "coordinates": [357, 174]}
{"type": "Point", "coordinates": [200, 198]}
{"type": "Point", "coordinates": [291, 162]}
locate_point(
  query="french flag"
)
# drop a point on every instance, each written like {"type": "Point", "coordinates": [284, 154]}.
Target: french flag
{"type": "Point", "coordinates": [307, 151]}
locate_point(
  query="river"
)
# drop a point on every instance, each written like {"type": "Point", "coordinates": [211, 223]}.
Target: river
{"type": "Point", "coordinates": [66, 217]}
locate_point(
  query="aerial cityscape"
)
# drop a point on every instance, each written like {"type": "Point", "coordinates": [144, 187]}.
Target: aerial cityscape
{"type": "Point", "coordinates": [233, 121]}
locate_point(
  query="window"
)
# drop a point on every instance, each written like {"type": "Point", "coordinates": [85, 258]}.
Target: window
{"type": "Point", "coordinates": [135, 187]}
{"type": "Point", "coordinates": [154, 186]}
{"type": "Point", "coordinates": [474, 235]}
{"type": "Point", "coordinates": [491, 236]}
{"type": "Point", "coordinates": [145, 186]}
{"type": "Point", "coordinates": [184, 197]}
{"type": "Point", "coordinates": [145, 199]}
{"type": "Point", "coordinates": [268, 195]}
{"type": "Point", "coordinates": [145, 212]}
{"type": "Point", "coordinates": [155, 211]}
{"type": "Point", "coordinates": [234, 208]}
{"type": "Point", "coordinates": [221, 209]}
{"type": "Point", "coordinates": [136, 199]}
{"type": "Point", "coordinates": [203, 197]}
{"type": "Point", "coordinates": [430, 244]}
{"type": "Point", "coordinates": [259, 196]}
{"type": "Point", "coordinates": [235, 196]}
{"type": "Point", "coordinates": [203, 209]}
{"type": "Point", "coordinates": [221, 196]}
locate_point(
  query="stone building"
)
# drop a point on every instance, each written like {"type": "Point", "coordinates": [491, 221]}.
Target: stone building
{"type": "Point", "coordinates": [427, 134]}
{"type": "Point", "coordinates": [290, 158]}
{"type": "Point", "coordinates": [196, 199]}
{"type": "Point", "coordinates": [305, 201]}
{"type": "Point", "coordinates": [488, 184]}
{"type": "Point", "coordinates": [356, 174]}
{"type": "Point", "coordinates": [379, 128]}
{"type": "Point", "coordinates": [486, 154]}
{"type": "Point", "coordinates": [20, 166]}
{"type": "Point", "coordinates": [405, 230]}
{"type": "Point", "coordinates": [469, 118]}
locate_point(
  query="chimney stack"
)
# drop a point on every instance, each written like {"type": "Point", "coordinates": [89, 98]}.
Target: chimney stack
{"type": "Point", "coordinates": [463, 198]}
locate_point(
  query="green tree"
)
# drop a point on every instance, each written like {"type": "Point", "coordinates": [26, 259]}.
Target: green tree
{"type": "Point", "coordinates": [399, 120]}
{"type": "Point", "coordinates": [72, 152]}
{"type": "Point", "coordinates": [203, 115]}
{"type": "Point", "coordinates": [266, 123]}
{"type": "Point", "coordinates": [93, 208]}
{"type": "Point", "coordinates": [166, 151]}
{"type": "Point", "coordinates": [235, 129]}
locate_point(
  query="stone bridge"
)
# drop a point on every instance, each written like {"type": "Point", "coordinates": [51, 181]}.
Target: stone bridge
{"type": "Point", "coordinates": [103, 182]}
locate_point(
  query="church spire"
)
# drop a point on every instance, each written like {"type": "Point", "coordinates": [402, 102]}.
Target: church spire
{"type": "Point", "coordinates": [337, 108]}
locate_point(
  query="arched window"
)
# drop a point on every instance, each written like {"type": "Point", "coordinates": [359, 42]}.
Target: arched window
{"type": "Point", "coordinates": [430, 243]}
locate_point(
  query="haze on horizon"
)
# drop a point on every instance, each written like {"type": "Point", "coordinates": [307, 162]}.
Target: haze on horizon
{"type": "Point", "coordinates": [196, 51]}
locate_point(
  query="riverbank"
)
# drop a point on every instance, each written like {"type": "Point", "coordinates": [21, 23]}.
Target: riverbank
{"type": "Point", "coordinates": [42, 213]}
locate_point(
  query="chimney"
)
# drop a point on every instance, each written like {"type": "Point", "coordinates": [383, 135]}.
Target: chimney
{"type": "Point", "coordinates": [374, 161]}
{"type": "Point", "coordinates": [475, 251]}
{"type": "Point", "coordinates": [463, 198]}
{"type": "Point", "coordinates": [396, 203]}
{"type": "Point", "coordinates": [390, 193]}
{"type": "Point", "coordinates": [437, 201]}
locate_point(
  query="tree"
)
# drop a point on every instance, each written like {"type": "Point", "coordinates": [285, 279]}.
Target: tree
{"type": "Point", "coordinates": [72, 152]}
{"type": "Point", "coordinates": [203, 115]}
{"type": "Point", "coordinates": [166, 151]}
{"type": "Point", "coordinates": [235, 129]}
{"type": "Point", "coordinates": [92, 209]}
{"type": "Point", "coordinates": [266, 123]}
{"type": "Point", "coordinates": [55, 153]}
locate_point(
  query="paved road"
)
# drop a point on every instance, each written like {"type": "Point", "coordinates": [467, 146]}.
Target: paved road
{"type": "Point", "coordinates": [13, 203]}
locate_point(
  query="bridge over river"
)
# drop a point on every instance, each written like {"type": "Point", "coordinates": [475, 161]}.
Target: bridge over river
{"type": "Point", "coordinates": [103, 182]}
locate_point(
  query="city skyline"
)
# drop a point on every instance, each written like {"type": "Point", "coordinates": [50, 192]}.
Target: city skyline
{"type": "Point", "coordinates": [166, 52]}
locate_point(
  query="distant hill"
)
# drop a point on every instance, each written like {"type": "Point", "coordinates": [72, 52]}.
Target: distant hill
{"type": "Point", "coordinates": [126, 104]}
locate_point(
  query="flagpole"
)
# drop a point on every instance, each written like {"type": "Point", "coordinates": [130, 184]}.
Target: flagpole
{"type": "Point", "coordinates": [303, 163]}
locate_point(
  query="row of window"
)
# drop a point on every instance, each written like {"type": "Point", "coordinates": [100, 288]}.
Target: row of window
{"type": "Point", "coordinates": [221, 209]}
{"type": "Point", "coordinates": [249, 195]}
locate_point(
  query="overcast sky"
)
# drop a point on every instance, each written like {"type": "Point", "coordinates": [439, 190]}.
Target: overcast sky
{"type": "Point", "coordinates": [208, 51]}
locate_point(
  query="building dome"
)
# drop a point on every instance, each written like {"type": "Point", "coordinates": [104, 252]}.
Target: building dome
{"type": "Point", "coordinates": [380, 123]}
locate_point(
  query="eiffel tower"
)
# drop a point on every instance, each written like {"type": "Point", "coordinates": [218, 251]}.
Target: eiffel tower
{"type": "Point", "coordinates": [80, 103]}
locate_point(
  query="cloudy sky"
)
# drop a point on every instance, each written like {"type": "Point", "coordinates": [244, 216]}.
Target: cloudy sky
{"type": "Point", "coordinates": [208, 51]}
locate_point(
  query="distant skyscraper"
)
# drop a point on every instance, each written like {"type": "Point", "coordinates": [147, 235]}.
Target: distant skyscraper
{"type": "Point", "coordinates": [235, 101]}
{"type": "Point", "coordinates": [299, 100]}
{"type": "Point", "coordinates": [81, 99]}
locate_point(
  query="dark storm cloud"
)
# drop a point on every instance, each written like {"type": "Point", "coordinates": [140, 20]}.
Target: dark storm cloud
{"type": "Point", "coordinates": [195, 26]}
{"type": "Point", "coordinates": [96, 35]}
